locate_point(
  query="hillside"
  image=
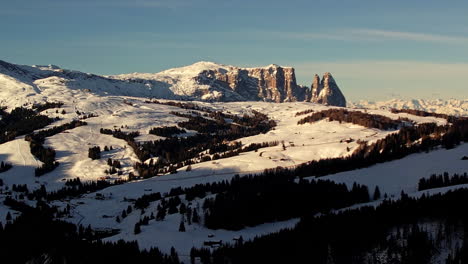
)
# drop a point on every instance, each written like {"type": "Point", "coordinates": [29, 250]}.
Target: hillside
{"type": "Point", "coordinates": [457, 107]}
{"type": "Point", "coordinates": [136, 168]}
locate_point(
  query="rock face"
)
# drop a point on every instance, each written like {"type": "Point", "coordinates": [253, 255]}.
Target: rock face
{"type": "Point", "coordinates": [326, 91]}
{"type": "Point", "coordinates": [206, 81]}
{"type": "Point", "coordinates": [272, 83]}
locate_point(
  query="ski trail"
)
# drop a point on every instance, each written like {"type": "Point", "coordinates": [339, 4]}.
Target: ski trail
{"type": "Point", "coordinates": [19, 151]}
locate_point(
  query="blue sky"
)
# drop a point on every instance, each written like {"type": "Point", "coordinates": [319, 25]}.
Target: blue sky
{"type": "Point", "coordinates": [375, 49]}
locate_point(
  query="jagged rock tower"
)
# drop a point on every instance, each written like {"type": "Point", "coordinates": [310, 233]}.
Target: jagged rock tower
{"type": "Point", "coordinates": [326, 91]}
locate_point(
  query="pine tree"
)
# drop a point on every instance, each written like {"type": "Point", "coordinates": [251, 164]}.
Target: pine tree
{"type": "Point", "coordinates": [174, 257]}
{"type": "Point", "coordinates": [195, 217]}
{"type": "Point", "coordinates": [182, 226]}
{"type": "Point", "coordinates": [8, 216]}
{"type": "Point", "coordinates": [376, 193]}
{"type": "Point", "coordinates": [137, 229]}
{"type": "Point", "coordinates": [182, 209]}
{"type": "Point", "coordinates": [161, 214]}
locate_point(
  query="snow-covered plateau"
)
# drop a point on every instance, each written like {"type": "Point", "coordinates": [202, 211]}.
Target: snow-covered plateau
{"type": "Point", "coordinates": [124, 102]}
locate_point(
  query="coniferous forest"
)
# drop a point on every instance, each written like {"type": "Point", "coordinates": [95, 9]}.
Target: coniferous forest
{"type": "Point", "coordinates": [394, 232]}
{"type": "Point", "coordinates": [398, 230]}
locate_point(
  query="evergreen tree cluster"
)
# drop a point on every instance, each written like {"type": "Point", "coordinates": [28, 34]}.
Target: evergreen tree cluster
{"type": "Point", "coordinates": [94, 153]}
{"type": "Point", "coordinates": [356, 117]}
{"type": "Point", "coordinates": [35, 237]}
{"type": "Point", "coordinates": [308, 111]}
{"type": "Point", "coordinates": [20, 188]}
{"type": "Point", "coordinates": [393, 231]}
{"type": "Point", "coordinates": [20, 121]}
{"type": "Point", "coordinates": [239, 127]}
{"type": "Point", "coordinates": [442, 180]}
{"type": "Point", "coordinates": [145, 200]}
{"type": "Point", "coordinates": [72, 188]}
{"type": "Point", "coordinates": [421, 113]}
{"type": "Point", "coordinates": [118, 133]}
{"type": "Point", "coordinates": [166, 131]}
{"type": "Point", "coordinates": [183, 105]}
{"type": "Point", "coordinates": [254, 200]}
{"type": "Point", "coordinates": [83, 116]}
{"type": "Point", "coordinates": [47, 105]}
{"type": "Point", "coordinates": [4, 166]}
{"type": "Point", "coordinates": [115, 167]}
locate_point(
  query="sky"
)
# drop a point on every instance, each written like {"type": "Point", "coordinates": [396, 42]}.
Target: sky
{"type": "Point", "coordinates": [375, 49]}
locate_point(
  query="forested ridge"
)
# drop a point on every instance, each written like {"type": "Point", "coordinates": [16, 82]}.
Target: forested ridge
{"type": "Point", "coordinates": [356, 117]}
{"type": "Point", "coordinates": [360, 235]}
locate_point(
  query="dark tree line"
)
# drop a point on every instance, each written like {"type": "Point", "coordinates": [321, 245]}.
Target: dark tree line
{"type": "Point", "coordinates": [308, 111]}
{"type": "Point", "coordinates": [254, 200]}
{"type": "Point", "coordinates": [348, 236]}
{"type": "Point", "coordinates": [442, 180]}
{"type": "Point", "coordinates": [166, 131]}
{"type": "Point", "coordinates": [187, 105]}
{"type": "Point", "coordinates": [20, 121]}
{"type": "Point", "coordinates": [94, 153]}
{"type": "Point", "coordinates": [47, 105]}
{"type": "Point", "coordinates": [4, 166]}
{"type": "Point", "coordinates": [47, 155]}
{"type": "Point", "coordinates": [35, 237]}
{"type": "Point", "coordinates": [72, 188]}
{"type": "Point", "coordinates": [118, 133]}
{"type": "Point", "coordinates": [240, 126]}
{"type": "Point", "coordinates": [422, 113]}
{"type": "Point", "coordinates": [356, 117]}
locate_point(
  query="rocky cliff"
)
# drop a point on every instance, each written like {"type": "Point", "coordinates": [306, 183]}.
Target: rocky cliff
{"type": "Point", "coordinates": [272, 83]}
{"type": "Point", "coordinates": [326, 91]}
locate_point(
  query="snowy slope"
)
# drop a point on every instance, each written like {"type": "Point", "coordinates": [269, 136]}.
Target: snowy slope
{"type": "Point", "coordinates": [182, 80]}
{"type": "Point", "coordinates": [457, 107]}
{"type": "Point", "coordinates": [120, 102]}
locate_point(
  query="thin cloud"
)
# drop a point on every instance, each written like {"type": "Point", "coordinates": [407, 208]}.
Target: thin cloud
{"type": "Point", "coordinates": [369, 35]}
{"type": "Point", "coordinates": [385, 34]}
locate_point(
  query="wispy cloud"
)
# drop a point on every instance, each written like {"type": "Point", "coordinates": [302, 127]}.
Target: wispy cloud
{"type": "Point", "coordinates": [361, 34]}
{"type": "Point", "coordinates": [414, 36]}
{"type": "Point", "coordinates": [24, 8]}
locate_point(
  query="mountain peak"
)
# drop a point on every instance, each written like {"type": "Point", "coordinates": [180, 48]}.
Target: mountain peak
{"type": "Point", "coordinates": [327, 91]}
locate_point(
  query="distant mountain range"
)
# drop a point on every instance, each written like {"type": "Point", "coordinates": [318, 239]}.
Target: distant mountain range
{"type": "Point", "coordinates": [203, 81]}
{"type": "Point", "coordinates": [457, 107]}
{"type": "Point", "coordinates": [206, 81]}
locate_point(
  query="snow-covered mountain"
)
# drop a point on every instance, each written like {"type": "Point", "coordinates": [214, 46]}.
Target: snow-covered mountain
{"type": "Point", "coordinates": [457, 107]}
{"type": "Point", "coordinates": [206, 81]}
{"type": "Point", "coordinates": [106, 98]}
{"type": "Point", "coordinates": [217, 82]}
